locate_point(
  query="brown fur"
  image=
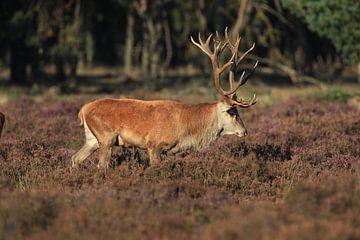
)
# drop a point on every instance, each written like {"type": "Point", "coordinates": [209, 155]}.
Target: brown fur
{"type": "Point", "coordinates": [161, 125]}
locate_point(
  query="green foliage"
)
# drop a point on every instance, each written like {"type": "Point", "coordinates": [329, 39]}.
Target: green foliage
{"type": "Point", "coordinates": [48, 32]}
{"type": "Point", "coordinates": [335, 95]}
{"type": "Point", "coordinates": [14, 94]}
{"type": "Point", "coordinates": [338, 21]}
{"type": "Point", "coordinates": [64, 33]}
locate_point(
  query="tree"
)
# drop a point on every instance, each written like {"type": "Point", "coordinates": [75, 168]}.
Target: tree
{"type": "Point", "coordinates": [17, 28]}
{"type": "Point", "coordinates": [42, 32]}
{"type": "Point", "coordinates": [338, 21]}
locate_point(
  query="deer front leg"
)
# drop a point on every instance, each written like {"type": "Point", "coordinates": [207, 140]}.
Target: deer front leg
{"type": "Point", "coordinates": [104, 157]}
{"type": "Point", "coordinates": [105, 153]}
{"type": "Point", "coordinates": [154, 155]}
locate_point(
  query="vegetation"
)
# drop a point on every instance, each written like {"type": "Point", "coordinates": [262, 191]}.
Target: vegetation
{"type": "Point", "coordinates": [295, 176]}
{"type": "Point", "coordinates": [335, 20]}
{"type": "Point", "coordinates": [149, 38]}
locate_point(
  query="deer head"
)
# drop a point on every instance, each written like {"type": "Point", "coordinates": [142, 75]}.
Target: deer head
{"type": "Point", "coordinates": [234, 124]}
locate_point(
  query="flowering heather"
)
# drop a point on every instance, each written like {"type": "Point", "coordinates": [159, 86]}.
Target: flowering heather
{"type": "Point", "coordinates": [296, 176]}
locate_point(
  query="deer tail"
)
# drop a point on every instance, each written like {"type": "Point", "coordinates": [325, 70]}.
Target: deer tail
{"type": "Point", "coordinates": [81, 117]}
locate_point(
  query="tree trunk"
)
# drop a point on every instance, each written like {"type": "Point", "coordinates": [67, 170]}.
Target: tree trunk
{"type": "Point", "coordinates": [145, 57]}
{"type": "Point", "coordinates": [60, 70]}
{"type": "Point", "coordinates": [18, 62]}
{"type": "Point", "coordinates": [154, 53]}
{"type": "Point", "coordinates": [71, 83]}
{"type": "Point", "coordinates": [129, 44]}
{"type": "Point", "coordinates": [74, 58]}
{"type": "Point", "coordinates": [169, 51]}
{"type": "Point", "coordinates": [34, 62]}
{"type": "Point", "coordinates": [240, 20]}
{"type": "Point", "coordinates": [201, 17]}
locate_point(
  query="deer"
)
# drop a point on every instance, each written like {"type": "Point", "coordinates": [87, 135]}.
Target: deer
{"type": "Point", "coordinates": [169, 126]}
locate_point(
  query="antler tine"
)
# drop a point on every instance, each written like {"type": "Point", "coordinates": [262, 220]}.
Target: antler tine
{"type": "Point", "coordinates": [232, 85]}
{"type": "Point", "coordinates": [228, 64]}
{"type": "Point", "coordinates": [217, 79]}
{"type": "Point", "coordinates": [242, 103]}
{"type": "Point", "coordinates": [208, 41]}
{"type": "Point", "coordinates": [219, 45]}
{"type": "Point", "coordinates": [246, 53]}
{"type": "Point", "coordinates": [245, 104]}
{"type": "Point", "coordinates": [231, 73]}
{"type": "Point", "coordinates": [217, 35]}
{"type": "Point", "coordinates": [203, 46]}
{"type": "Point", "coordinates": [195, 43]}
{"type": "Point", "coordinates": [233, 46]}
{"type": "Point", "coordinates": [200, 39]}
{"type": "Point", "coordinates": [214, 54]}
{"type": "Point", "coordinates": [232, 82]}
{"type": "Point", "coordinates": [243, 80]}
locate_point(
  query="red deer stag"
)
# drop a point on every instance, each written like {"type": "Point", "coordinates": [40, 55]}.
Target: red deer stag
{"type": "Point", "coordinates": [166, 125]}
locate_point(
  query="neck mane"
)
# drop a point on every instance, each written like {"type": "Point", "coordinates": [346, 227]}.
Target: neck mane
{"type": "Point", "coordinates": [202, 126]}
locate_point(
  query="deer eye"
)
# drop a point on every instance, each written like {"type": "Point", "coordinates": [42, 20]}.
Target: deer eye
{"type": "Point", "coordinates": [232, 111]}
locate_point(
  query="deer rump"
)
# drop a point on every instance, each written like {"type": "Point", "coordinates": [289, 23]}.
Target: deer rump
{"type": "Point", "coordinates": [164, 124]}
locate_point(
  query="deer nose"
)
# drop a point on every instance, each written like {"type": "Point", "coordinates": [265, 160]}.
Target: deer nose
{"type": "Point", "coordinates": [245, 133]}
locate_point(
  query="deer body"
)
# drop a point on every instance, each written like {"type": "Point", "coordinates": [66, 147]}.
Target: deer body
{"type": "Point", "coordinates": [159, 126]}
{"type": "Point", "coordinates": [165, 125]}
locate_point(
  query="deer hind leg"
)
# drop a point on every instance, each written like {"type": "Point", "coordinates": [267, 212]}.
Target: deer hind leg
{"type": "Point", "coordinates": [91, 144]}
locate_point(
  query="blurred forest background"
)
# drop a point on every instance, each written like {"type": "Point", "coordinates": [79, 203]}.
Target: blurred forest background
{"type": "Point", "coordinates": [65, 42]}
{"type": "Point", "coordinates": [295, 176]}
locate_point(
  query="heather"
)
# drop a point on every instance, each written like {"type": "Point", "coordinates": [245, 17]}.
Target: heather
{"type": "Point", "coordinates": [296, 176]}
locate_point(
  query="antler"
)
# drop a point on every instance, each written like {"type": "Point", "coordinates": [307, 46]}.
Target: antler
{"type": "Point", "coordinates": [234, 61]}
{"type": "Point", "coordinates": [214, 58]}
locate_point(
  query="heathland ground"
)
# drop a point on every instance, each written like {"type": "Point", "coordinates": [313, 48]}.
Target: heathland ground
{"type": "Point", "coordinates": [296, 176]}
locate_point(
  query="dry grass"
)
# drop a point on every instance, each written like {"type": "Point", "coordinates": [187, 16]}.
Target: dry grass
{"type": "Point", "coordinates": [297, 176]}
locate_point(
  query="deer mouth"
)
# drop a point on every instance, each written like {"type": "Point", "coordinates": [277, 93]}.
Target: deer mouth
{"type": "Point", "coordinates": [243, 134]}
